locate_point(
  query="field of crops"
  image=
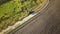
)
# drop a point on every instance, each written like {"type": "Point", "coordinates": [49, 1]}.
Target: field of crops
{"type": "Point", "coordinates": [12, 11]}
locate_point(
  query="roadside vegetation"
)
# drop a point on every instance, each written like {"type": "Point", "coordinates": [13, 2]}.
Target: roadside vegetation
{"type": "Point", "coordinates": [12, 11]}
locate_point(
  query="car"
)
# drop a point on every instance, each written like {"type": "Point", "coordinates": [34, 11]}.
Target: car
{"type": "Point", "coordinates": [32, 12]}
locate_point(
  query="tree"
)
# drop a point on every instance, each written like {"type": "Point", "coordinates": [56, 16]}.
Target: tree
{"type": "Point", "coordinates": [35, 1]}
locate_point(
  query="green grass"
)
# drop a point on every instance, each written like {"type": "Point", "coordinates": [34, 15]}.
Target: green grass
{"type": "Point", "coordinates": [11, 12]}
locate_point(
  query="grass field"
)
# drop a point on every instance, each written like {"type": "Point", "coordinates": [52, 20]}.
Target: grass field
{"type": "Point", "coordinates": [15, 10]}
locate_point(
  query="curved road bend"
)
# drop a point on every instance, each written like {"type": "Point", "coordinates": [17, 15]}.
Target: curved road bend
{"type": "Point", "coordinates": [46, 22]}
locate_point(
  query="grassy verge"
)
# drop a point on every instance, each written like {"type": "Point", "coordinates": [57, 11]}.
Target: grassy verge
{"type": "Point", "coordinates": [15, 10]}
